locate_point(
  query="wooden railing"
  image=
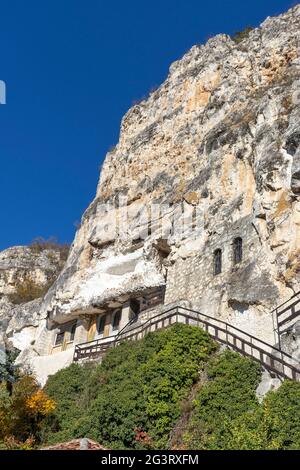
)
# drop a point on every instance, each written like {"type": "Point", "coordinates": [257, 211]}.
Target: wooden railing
{"type": "Point", "coordinates": [286, 315]}
{"type": "Point", "coordinates": [270, 357]}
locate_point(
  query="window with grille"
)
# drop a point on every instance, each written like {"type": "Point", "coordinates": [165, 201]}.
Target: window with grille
{"type": "Point", "coordinates": [217, 262]}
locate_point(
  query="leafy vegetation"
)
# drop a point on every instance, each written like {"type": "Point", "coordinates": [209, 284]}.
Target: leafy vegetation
{"type": "Point", "coordinates": [39, 244]}
{"type": "Point", "coordinates": [9, 372]}
{"type": "Point", "coordinates": [274, 425]}
{"type": "Point", "coordinates": [23, 411]}
{"type": "Point", "coordinates": [141, 390]}
{"type": "Point", "coordinates": [227, 414]}
{"type": "Point", "coordinates": [239, 36]}
{"type": "Point", "coordinates": [228, 393]}
{"type": "Point", "coordinates": [132, 400]}
{"type": "Point", "coordinates": [174, 380]}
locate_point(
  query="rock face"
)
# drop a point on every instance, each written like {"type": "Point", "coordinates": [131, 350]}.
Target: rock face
{"type": "Point", "coordinates": [200, 197]}
{"type": "Point", "coordinates": [25, 272]}
{"type": "Point", "coordinates": [22, 262]}
{"type": "Point", "coordinates": [266, 385]}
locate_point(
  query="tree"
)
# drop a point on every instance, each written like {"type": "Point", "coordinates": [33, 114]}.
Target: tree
{"type": "Point", "coordinates": [9, 371]}
{"type": "Point", "coordinates": [24, 411]}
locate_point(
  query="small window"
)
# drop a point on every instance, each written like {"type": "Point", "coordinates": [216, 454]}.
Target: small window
{"type": "Point", "coordinates": [59, 338]}
{"type": "Point", "coordinates": [101, 324]}
{"type": "Point", "coordinates": [237, 250]}
{"type": "Point", "coordinates": [116, 320]}
{"type": "Point", "coordinates": [217, 262]}
{"type": "Point", "coordinates": [72, 332]}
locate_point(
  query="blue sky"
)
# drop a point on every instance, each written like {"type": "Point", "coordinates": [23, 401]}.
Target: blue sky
{"type": "Point", "coordinates": [72, 69]}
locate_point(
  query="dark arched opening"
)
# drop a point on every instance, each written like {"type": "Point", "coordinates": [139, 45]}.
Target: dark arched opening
{"type": "Point", "coordinates": [116, 320]}
{"type": "Point", "coordinates": [237, 250]}
{"type": "Point", "coordinates": [217, 262]}
{"type": "Point", "coordinates": [101, 324]}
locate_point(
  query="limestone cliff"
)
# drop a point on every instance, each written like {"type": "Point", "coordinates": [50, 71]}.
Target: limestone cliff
{"type": "Point", "coordinates": [219, 138]}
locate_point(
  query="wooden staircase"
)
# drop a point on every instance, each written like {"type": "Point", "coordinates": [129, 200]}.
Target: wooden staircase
{"type": "Point", "coordinates": [270, 357]}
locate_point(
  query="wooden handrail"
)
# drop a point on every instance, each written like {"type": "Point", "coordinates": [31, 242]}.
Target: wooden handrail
{"type": "Point", "coordinates": [267, 355]}
{"type": "Point", "coordinates": [286, 315]}
{"type": "Point", "coordinates": [285, 302]}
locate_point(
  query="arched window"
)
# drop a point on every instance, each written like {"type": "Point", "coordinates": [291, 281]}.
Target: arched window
{"type": "Point", "coordinates": [116, 320]}
{"type": "Point", "coordinates": [101, 324]}
{"type": "Point", "coordinates": [237, 250]}
{"type": "Point", "coordinates": [217, 262]}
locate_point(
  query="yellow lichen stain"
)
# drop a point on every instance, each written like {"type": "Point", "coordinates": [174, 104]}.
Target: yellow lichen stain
{"type": "Point", "coordinates": [283, 204]}
{"type": "Point", "coordinates": [179, 191]}
{"type": "Point", "coordinates": [293, 265]}
{"type": "Point", "coordinates": [237, 179]}
{"type": "Point", "coordinates": [199, 99]}
{"type": "Point", "coordinates": [86, 256]}
{"type": "Point", "coordinates": [277, 65]}
{"type": "Point", "coordinates": [181, 94]}
{"type": "Point", "coordinates": [92, 328]}
{"type": "Point", "coordinates": [201, 92]}
{"type": "Point", "coordinates": [228, 171]}
{"type": "Point", "coordinates": [247, 185]}
{"type": "Point", "coordinates": [192, 198]}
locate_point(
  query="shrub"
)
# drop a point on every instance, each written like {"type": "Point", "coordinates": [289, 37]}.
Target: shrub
{"type": "Point", "coordinates": [24, 411]}
{"type": "Point", "coordinates": [282, 411]}
{"type": "Point", "coordinates": [133, 398]}
{"type": "Point", "coordinates": [67, 387]}
{"type": "Point", "coordinates": [239, 36]}
{"type": "Point", "coordinates": [229, 392]}
{"type": "Point", "coordinates": [39, 244]}
{"type": "Point", "coordinates": [9, 372]}
{"type": "Point", "coordinates": [275, 425]}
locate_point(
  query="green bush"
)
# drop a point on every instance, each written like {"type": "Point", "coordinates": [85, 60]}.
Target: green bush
{"type": "Point", "coordinates": [275, 425]}
{"type": "Point", "coordinates": [239, 36]}
{"type": "Point", "coordinates": [227, 414]}
{"type": "Point", "coordinates": [131, 400]}
{"type": "Point", "coordinates": [68, 387]}
{"type": "Point", "coordinates": [229, 392]}
{"type": "Point", "coordinates": [282, 411]}
{"type": "Point", "coordinates": [9, 371]}
{"type": "Point", "coordinates": [135, 398]}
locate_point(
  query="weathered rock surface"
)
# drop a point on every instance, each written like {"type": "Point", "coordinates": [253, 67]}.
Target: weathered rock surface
{"type": "Point", "coordinates": [37, 267]}
{"type": "Point", "coordinates": [19, 263]}
{"type": "Point", "coordinates": [221, 136]}
{"type": "Point", "coordinates": [267, 384]}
